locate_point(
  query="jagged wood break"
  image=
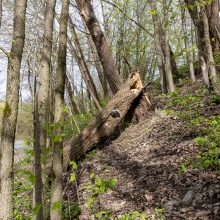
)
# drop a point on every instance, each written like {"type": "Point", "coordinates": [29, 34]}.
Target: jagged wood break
{"type": "Point", "coordinates": [104, 124]}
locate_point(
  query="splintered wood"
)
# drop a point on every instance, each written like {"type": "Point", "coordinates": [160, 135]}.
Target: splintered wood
{"type": "Point", "coordinates": [105, 123]}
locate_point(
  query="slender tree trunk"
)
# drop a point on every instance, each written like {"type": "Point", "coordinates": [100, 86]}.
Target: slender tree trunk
{"type": "Point", "coordinates": [104, 51]}
{"type": "Point", "coordinates": [98, 66]}
{"type": "Point", "coordinates": [11, 111]}
{"type": "Point", "coordinates": [74, 107]}
{"type": "Point", "coordinates": [199, 25]}
{"type": "Point", "coordinates": [167, 48]}
{"type": "Point", "coordinates": [189, 57]}
{"type": "Point", "coordinates": [81, 56]}
{"type": "Point", "coordinates": [57, 186]}
{"type": "Point", "coordinates": [42, 107]}
{"type": "Point", "coordinates": [1, 1]}
{"type": "Point", "coordinates": [159, 52]}
{"type": "Point", "coordinates": [209, 52]}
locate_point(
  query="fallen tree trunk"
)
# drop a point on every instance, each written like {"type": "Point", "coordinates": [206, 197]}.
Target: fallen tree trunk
{"type": "Point", "coordinates": [107, 120]}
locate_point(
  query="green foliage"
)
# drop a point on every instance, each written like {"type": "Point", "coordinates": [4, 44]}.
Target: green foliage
{"type": "Point", "coordinates": [132, 216]}
{"type": "Point", "coordinates": [70, 210]}
{"type": "Point", "coordinates": [158, 215]}
{"type": "Point", "coordinates": [209, 157]}
{"type": "Point", "coordinates": [189, 108]}
{"type": "Point", "coordinates": [36, 210]}
{"type": "Point", "coordinates": [73, 124]}
{"type": "Point", "coordinates": [103, 215]}
{"type": "Point", "coordinates": [7, 111]}
{"type": "Point", "coordinates": [97, 188]}
{"type": "Point", "coordinates": [57, 205]}
{"type": "Point", "coordinates": [91, 154]}
{"type": "Point", "coordinates": [23, 186]}
{"type": "Point", "coordinates": [74, 168]}
{"type": "Point", "coordinates": [104, 102]}
{"type": "Point", "coordinates": [217, 57]}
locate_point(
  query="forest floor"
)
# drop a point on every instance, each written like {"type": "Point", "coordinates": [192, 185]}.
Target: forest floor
{"type": "Point", "coordinates": [145, 160]}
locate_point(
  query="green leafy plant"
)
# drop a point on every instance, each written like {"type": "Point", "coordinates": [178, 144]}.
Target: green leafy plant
{"type": "Point", "coordinates": [132, 216]}
{"type": "Point", "coordinates": [189, 108]}
{"type": "Point", "coordinates": [98, 187]}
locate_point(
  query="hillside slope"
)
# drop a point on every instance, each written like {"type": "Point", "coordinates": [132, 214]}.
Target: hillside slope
{"type": "Point", "coordinates": [146, 159]}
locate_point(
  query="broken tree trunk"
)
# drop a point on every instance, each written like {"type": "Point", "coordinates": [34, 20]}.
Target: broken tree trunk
{"type": "Point", "coordinates": [107, 120]}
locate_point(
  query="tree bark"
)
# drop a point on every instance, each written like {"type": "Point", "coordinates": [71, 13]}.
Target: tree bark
{"type": "Point", "coordinates": [42, 106]}
{"type": "Point", "coordinates": [209, 52]}
{"type": "Point", "coordinates": [74, 107]}
{"type": "Point", "coordinates": [57, 185]}
{"type": "Point", "coordinates": [1, 2]}
{"type": "Point", "coordinates": [105, 123]}
{"type": "Point", "coordinates": [212, 11]}
{"type": "Point", "coordinates": [159, 51]}
{"type": "Point", "coordinates": [201, 22]}
{"type": "Point", "coordinates": [104, 51]}
{"type": "Point", "coordinates": [11, 111]}
{"type": "Point", "coordinates": [189, 57]}
{"type": "Point", "coordinates": [167, 48]}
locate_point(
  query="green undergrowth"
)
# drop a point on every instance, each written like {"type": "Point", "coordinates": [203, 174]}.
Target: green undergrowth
{"type": "Point", "coordinates": [183, 69]}
{"type": "Point", "coordinates": [98, 186]}
{"type": "Point", "coordinates": [194, 108]}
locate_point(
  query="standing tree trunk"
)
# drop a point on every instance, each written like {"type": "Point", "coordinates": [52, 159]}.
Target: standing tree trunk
{"type": "Point", "coordinates": [167, 48]}
{"type": "Point", "coordinates": [11, 111]}
{"type": "Point", "coordinates": [159, 51]}
{"type": "Point", "coordinates": [104, 51]}
{"type": "Point", "coordinates": [212, 11]}
{"type": "Point", "coordinates": [57, 185]}
{"type": "Point", "coordinates": [1, 13]}
{"type": "Point", "coordinates": [73, 104]}
{"type": "Point", "coordinates": [209, 52]}
{"type": "Point", "coordinates": [201, 22]}
{"type": "Point", "coordinates": [41, 110]}
{"type": "Point", "coordinates": [189, 56]}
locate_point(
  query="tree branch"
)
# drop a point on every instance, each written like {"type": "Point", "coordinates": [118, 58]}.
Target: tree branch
{"type": "Point", "coordinates": [5, 52]}
{"type": "Point", "coordinates": [131, 19]}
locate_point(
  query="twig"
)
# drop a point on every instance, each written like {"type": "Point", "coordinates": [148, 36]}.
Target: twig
{"type": "Point", "coordinates": [5, 52]}
{"type": "Point", "coordinates": [131, 19]}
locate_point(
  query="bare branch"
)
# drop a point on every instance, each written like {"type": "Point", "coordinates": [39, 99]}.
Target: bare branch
{"type": "Point", "coordinates": [131, 19]}
{"type": "Point", "coordinates": [5, 52]}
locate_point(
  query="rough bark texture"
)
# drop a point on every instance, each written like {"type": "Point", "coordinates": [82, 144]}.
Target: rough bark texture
{"type": "Point", "coordinates": [159, 51]}
{"type": "Point", "coordinates": [104, 124]}
{"type": "Point", "coordinates": [212, 12]}
{"type": "Point", "coordinates": [42, 105]}
{"type": "Point", "coordinates": [57, 185]}
{"type": "Point", "coordinates": [209, 53]}
{"type": "Point", "coordinates": [202, 23]}
{"type": "Point", "coordinates": [104, 51]}
{"type": "Point", "coordinates": [189, 56]}
{"type": "Point", "coordinates": [11, 111]}
{"type": "Point", "coordinates": [167, 49]}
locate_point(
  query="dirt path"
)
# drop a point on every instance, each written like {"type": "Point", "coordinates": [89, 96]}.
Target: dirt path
{"type": "Point", "coordinates": [145, 160]}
